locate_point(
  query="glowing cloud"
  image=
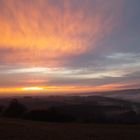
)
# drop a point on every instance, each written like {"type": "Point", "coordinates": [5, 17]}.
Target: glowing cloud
{"type": "Point", "coordinates": [68, 45]}
{"type": "Point", "coordinates": [42, 31]}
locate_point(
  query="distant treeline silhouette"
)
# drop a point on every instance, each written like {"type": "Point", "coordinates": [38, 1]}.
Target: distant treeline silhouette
{"type": "Point", "coordinates": [71, 113]}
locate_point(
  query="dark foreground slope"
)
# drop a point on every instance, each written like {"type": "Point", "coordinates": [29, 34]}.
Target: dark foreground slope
{"type": "Point", "coordinates": [12, 129]}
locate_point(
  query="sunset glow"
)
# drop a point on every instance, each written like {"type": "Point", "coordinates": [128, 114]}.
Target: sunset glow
{"type": "Point", "coordinates": [32, 88]}
{"type": "Point", "coordinates": [69, 45]}
{"type": "Point", "coordinates": [62, 89]}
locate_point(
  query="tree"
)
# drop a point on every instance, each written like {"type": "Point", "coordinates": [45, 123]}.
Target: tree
{"type": "Point", "coordinates": [15, 109]}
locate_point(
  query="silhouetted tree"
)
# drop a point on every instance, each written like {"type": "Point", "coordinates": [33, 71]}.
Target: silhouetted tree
{"type": "Point", "coordinates": [1, 108]}
{"type": "Point", "coordinates": [15, 109]}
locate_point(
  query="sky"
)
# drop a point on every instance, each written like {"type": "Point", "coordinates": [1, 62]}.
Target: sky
{"type": "Point", "coordinates": [69, 45]}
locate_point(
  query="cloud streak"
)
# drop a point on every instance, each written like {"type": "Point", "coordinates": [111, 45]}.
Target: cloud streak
{"type": "Point", "coordinates": [41, 30]}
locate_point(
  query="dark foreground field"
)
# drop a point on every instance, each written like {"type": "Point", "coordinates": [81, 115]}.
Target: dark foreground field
{"type": "Point", "coordinates": [12, 129]}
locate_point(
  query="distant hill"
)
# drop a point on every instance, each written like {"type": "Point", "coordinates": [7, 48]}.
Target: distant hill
{"type": "Point", "coordinates": [132, 95]}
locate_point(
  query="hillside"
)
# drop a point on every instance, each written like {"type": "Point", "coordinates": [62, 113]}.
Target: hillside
{"type": "Point", "coordinates": [73, 109]}
{"type": "Point", "coordinates": [11, 129]}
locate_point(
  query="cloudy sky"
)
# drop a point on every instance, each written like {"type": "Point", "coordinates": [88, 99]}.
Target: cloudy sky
{"type": "Point", "coordinates": [69, 45]}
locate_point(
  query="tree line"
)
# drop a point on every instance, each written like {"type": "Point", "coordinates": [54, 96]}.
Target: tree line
{"type": "Point", "coordinates": [71, 113]}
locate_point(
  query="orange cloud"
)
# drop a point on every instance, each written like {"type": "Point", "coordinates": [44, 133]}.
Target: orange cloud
{"type": "Point", "coordinates": [41, 31]}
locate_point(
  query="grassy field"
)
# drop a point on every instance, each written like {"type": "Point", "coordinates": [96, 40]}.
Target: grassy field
{"type": "Point", "coordinates": [11, 129]}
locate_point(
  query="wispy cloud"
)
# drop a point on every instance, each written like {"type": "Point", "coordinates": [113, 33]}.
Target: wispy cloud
{"type": "Point", "coordinates": [44, 30]}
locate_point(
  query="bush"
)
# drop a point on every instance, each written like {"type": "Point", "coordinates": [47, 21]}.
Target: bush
{"type": "Point", "coordinates": [15, 109]}
{"type": "Point", "coordinates": [50, 115]}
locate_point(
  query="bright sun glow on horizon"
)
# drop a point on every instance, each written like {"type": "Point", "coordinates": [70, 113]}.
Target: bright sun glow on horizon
{"type": "Point", "coordinates": [33, 88]}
